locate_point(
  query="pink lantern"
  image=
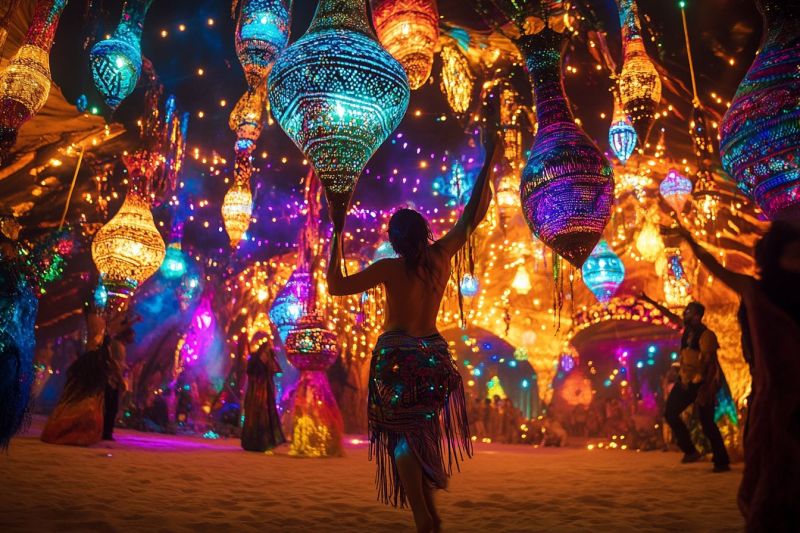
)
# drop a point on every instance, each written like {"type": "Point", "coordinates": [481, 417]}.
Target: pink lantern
{"type": "Point", "coordinates": [676, 190]}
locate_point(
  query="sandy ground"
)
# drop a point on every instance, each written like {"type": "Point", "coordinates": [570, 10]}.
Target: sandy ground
{"type": "Point", "coordinates": [148, 482]}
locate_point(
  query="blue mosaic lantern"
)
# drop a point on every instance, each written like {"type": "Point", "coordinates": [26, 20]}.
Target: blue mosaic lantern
{"type": "Point", "coordinates": [621, 135]}
{"type": "Point", "coordinates": [289, 305]}
{"type": "Point", "coordinates": [116, 63]}
{"type": "Point", "coordinates": [469, 285]}
{"type": "Point", "coordinates": [338, 95]}
{"type": "Point", "coordinates": [384, 251]}
{"type": "Point", "coordinates": [603, 272]}
{"type": "Point", "coordinates": [262, 32]}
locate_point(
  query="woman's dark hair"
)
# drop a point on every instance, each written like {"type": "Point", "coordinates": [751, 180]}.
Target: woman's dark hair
{"type": "Point", "coordinates": [411, 237]}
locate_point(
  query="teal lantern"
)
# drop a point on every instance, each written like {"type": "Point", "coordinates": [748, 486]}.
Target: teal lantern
{"type": "Point", "coordinates": [338, 95]}
{"type": "Point", "coordinates": [290, 303]}
{"type": "Point", "coordinates": [262, 32]}
{"type": "Point", "coordinates": [116, 63]}
{"type": "Point", "coordinates": [469, 285]}
{"type": "Point", "coordinates": [385, 250]}
{"type": "Point", "coordinates": [603, 272]}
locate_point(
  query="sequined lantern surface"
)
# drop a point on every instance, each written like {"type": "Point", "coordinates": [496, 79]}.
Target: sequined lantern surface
{"type": "Point", "coordinates": [409, 30]}
{"type": "Point", "coordinates": [676, 190]}
{"type": "Point", "coordinates": [289, 305]}
{"type": "Point", "coordinates": [116, 63]}
{"type": "Point", "coordinates": [639, 82]}
{"type": "Point", "coordinates": [567, 186]}
{"type": "Point", "coordinates": [237, 206]}
{"type": "Point", "coordinates": [621, 135]}
{"type": "Point", "coordinates": [760, 133]}
{"type": "Point", "coordinates": [677, 289]}
{"type": "Point", "coordinates": [338, 95]}
{"type": "Point", "coordinates": [603, 272]}
{"type": "Point", "coordinates": [469, 285]}
{"type": "Point", "coordinates": [25, 82]}
{"type": "Point", "coordinates": [310, 345]}
{"type": "Point", "coordinates": [262, 32]}
{"type": "Point", "coordinates": [457, 78]}
{"type": "Point", "coordinates": [649, 242]}
{"type": "Point", "coordinates": [128, 249]}
{"type": "Point", "coordinates": [247, 117]}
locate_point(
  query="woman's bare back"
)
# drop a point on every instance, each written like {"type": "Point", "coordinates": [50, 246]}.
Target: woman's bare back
{"type": "Point", "coordinates": [413, 299]}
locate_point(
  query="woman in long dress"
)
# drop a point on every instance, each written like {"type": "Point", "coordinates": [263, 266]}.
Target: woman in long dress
{"type": "Point", "coordinates": [417, 415]}
{"type": "Point", "coordinates": [262, 425]}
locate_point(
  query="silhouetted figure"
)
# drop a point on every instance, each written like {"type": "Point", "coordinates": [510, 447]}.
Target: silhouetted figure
{"type": "Point", "coordinates": [262, 425]}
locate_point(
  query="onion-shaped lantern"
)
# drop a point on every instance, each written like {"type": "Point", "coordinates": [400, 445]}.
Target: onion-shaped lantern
{"type": "Point", "coordinates": [639, 82]}
{"type": "Point", "coordinates": [128, 249]}
{"type": "Point", "coordinates": [603, 272]}
{"type": "Point", "coordinates": [310, 345]}
{"type": "Point", "coordinates": [409, 30]}
{"type": "Point", "coordinates": [457, 78]}
{"type": "Point", "coordinates": [567, 186]}
{"type": "Point", "coordinates": [621, 134]}
{"type": "Point", "coordinates": [338, 95]}
{"type": "Point", "coordinates": [25, 82]}
{"type": "Point", "coordinates": [262, 32]}
{"type": "Point", "coordinates": [289, 305]}
{"type": "Point", "coordinates": [237, 206]}
{"type": "Point", "coordinates": [676, 190]}
{"type": "Point", "coordinates": [469, 285]}
{"type": "Point", "coordinates": [760, 132]}
{"type": "Point", "coordinates": [116, 62]}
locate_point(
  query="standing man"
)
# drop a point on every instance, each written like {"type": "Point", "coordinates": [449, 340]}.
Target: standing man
{"type": "Point", "coordinates": [699, 378]}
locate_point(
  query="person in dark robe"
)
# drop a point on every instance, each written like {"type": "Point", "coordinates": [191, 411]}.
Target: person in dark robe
{"type": "Point", "coordinates": [115, 384]}
{"type": "Point", "coordinates": [769, 495]}
{"type": "Point", "coordinates": [262, 425]}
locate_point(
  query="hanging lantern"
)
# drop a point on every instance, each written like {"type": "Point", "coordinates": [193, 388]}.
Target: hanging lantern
{"type": "Point", "coordinates": [603, 272]}
{"type": "Point", "coordinates": [621, 134]}
{"type": "Point", "coordinates": [634, 183]}
{"type": "Point", "coordinates": [116, 63]}
{"type": "Point", "coordinates": [649, 242]}
{"type": "Point", "coordinates": [247, 117]}
{"type": "Point", "coordinates": [567, 187]}
{"type": "Point", "coordinates": [760, 132]}
{"type": "Point", "coordinates": [409, 30]}
{"type": "Point", "coordinates": [310, 345]}
{"type": "Point", "coordinates": [338, 95]}
{"type": "Point", "coordinates": [384, 251]}
{"type": "Point", "coordinates": [128, 249]}
{"type": "Point", "coordinates": [289, 305]}
{"type": "Point", "coordinates": [237, 206]}
{"type": "Point", "coordinates": [469, 285]}
{"type": "Point", "coordinates": [677, 289]}
{"type": "Point", "coordinates": [262, 32]}
{"type": "Point", "coordinates": [25, 82]}
{"type": "Point", "coordinates": [705, 197]}
{"type": "Point", "coordinates": [639, 83]}
{"type": "Point", "coordinates": [676, 190]}
{"type": "Point", "coordinates": [174, 265]}
{"type": "Point", "coordinates": [698, 131]}
{"type": "Point", "coordinates": [522, 281]}
{"type": "Point", "coordinates": [457, 78]}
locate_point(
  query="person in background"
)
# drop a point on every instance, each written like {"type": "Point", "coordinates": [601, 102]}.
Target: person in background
{"type": "Point", "coordinates": [698, 383]}
{"type": "Point", "coordinates": [414, 385]}
{"type": "Point", "coordinates": [262, 425]}
{"type": "Point", "coordinates": [770, 488]}
{"type": "Point", "coordinates": [115, 385]}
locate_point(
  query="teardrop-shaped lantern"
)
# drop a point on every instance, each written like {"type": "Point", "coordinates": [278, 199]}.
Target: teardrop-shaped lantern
{"type": "Point", "coordinates": [409, 30]}
{"type": "Point", "coordinates": [338, 95]}
{"type": "Point", "coordinates": [128, 249]}
{"type": "Point", "coordinates": [469, 285]}
{"type": "Point", "coordinates": [639, 82]}
{"type": "Point", "coordinates": [457, 78]}
{"type": "Point", "coordinates": [522, 281]}
{"type": "Point", "coordinates": [698, 130]}
{"type": "Point", "coordinates": [603, 272]}
{"type": "Point", "coordinates": [237, 206]}
{"type": "Point", "coordinates": [649, 242]}
{"type": "Point", "coordinates": [116, 63]}
{"type": "Point", "coordinates": [567, 186]}
{"type": "Point", "coordinates": [760, 132]}
{"type": "Point", "coordinates": [621, 135]}
{"type": "Point", "coordinates": [289, 305]}
{"type": "Point", "coordinates": [677, 289]}
{"type": "Point", "coordinates": [25, 82]}
{"type": "Point", "coordinates": [247, 117]}
{"type": "Point", "coordinates": [676, 190]}
{"type": "Point", "coordinates": [262, 32]}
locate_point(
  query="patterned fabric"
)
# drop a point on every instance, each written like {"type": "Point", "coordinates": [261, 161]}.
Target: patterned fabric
{"type": "Point", "coordinates": [416, 395]}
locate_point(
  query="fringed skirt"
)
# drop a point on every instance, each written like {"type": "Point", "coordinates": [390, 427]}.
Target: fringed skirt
{"type": "Point", "coordinates": [416, 395]}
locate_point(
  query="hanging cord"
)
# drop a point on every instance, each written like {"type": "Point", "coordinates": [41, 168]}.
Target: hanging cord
{"type": "Point", "coordinates": [696, 100]}
{"type": "Point", "coordinates": [72, 187]}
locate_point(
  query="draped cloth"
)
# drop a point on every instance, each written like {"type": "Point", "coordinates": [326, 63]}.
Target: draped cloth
{"type": "Point", "coordinates": [416, 395]}
{"type": "Point", "coordinates": [769, 496]}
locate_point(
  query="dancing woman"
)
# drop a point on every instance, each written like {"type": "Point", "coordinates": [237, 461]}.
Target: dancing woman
{"type": "Point", "coordinates": [416, 398]}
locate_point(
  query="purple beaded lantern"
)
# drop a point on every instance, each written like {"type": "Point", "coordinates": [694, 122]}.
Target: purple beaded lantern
{"type": "Point", "coordinates": [760, 133]}
{"type": "Point", "coordinates": [567, 186]}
